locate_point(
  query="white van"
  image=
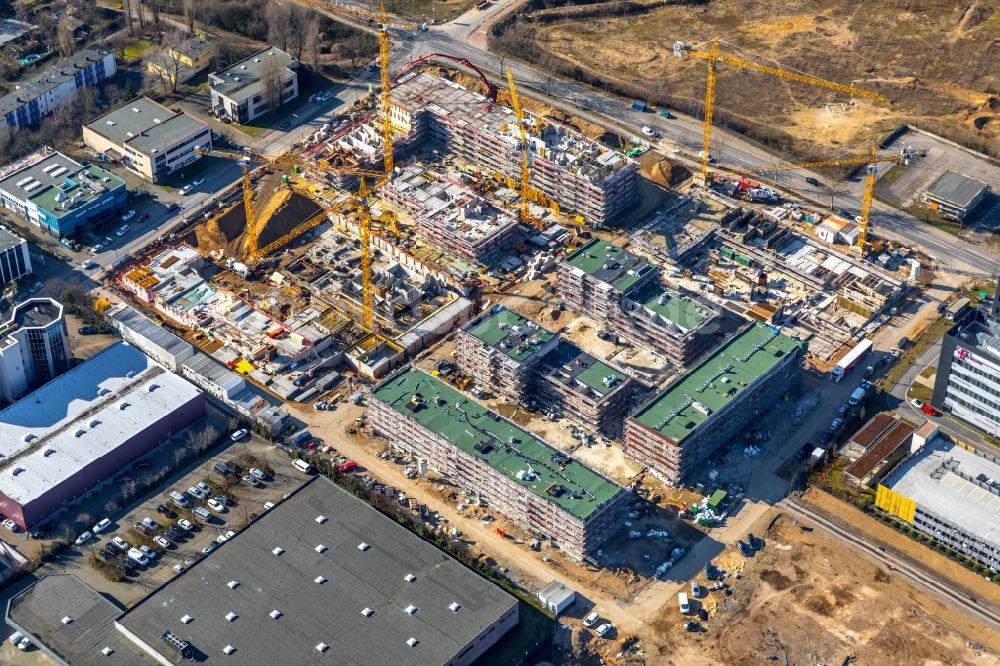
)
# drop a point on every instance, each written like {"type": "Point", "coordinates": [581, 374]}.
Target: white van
{"type": "Point", "coordinates": [179, 499]}
{"type": "Point", "coordinates": [682, 601]}
{"type": "Point", "coordinates": [302, 466]}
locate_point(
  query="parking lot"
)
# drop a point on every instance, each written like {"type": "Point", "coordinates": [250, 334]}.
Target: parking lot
{"type": "Point", "coordinates": [247, 502]}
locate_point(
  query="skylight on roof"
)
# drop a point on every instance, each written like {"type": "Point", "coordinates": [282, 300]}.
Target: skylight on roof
{"type": "Point", "coordinates": [229, 649]}
{"type": "Point", "coordinates": [231, 616]}
{"type": "Point", "coordinates": [320, 519]}
{"type": "Point", "coordinates": [321, 548]}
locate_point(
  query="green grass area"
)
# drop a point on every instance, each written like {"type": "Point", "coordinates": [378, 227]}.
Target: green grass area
{"type": "Point", "coordinates": [136, 49]}
{"type": "Point", "coordinates": [892, 175]}
{"type": "Point", "coordinates": [252, 130]}
{"type": "Point", "coordinates": [929, 336]}
{"type": "Point", "coordinates": [928, 372]}
{"type": "Point", "coordinates": [973, 293]}
{"type": "Point", "coordinates": [532, 633]}
{"type": "Point", "coordinates": [920, 392]}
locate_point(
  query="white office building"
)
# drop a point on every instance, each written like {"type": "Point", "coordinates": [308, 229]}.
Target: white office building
{"type": "Point", "coordinates": [34, 346]}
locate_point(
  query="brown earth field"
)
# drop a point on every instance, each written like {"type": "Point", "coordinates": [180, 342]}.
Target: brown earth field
{"type": "Point", "coordinates": [809, 599]}
{"type": "Point", "coordinates": [935, 60]}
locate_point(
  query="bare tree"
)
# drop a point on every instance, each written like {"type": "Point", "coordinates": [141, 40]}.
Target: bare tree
{"type": "Point", "coordinates": [168, 63]}
{"type": "Point", "coordinates": [356, 46]}
{"type": "Point", "coordinates": [202, 438]}
{"type": "Point", "coordinates": [280, 24]}
{"type": "Point", "coordinates": [65, 37]}
{"type": "Point", "coordinates": [272, 80]}
{"type": "Point", "coordinates": [298, 18]}
{"type": "Point", "coordinates": [313, 42]}
{"type": "Point", "coordinates": [188, 6]}
{"type": "Point", "coordinates": [154, 6]}
{"type": "Point", "coordinates": [140, 13]}
{"type": "Point", "coordinates": [127, 6]}
{"type": "Point", "coordinates": [128, 489]}
{"type": "Point", "coordinates": [180, 453]}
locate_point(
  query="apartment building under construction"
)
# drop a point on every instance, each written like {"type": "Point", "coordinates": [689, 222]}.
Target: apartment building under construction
{"type": "Point", "coordinates": [501, 349]}
{"type": "Point", "coordinates": [534, 485]}
{"type": "Point", "coordinates": [624, 292]}
{"type": "Point", "coordinates": [451, 215]}
{"type": "Point", "coordinates": [714, 402]}
{"type": "Point", "coordinates": [581, 175]}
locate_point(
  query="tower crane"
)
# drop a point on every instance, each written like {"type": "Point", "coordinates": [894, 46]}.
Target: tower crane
{"type": "Point", "coordinates": [525, 164]}
{"type": "Point", "coordinates": [871, 160]}
{"type": "Point", "coordinates": [713, 58]}
{"type": "Point", "coordinates": [385, 102]}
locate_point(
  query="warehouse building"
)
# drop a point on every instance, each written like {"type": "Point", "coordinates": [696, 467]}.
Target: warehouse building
{"type": "Point", "coordinates": [323, 578]}
{"type": "Point", "coordinates": [714, 402]}
{"type": "Point", "coordinates": [500, 349]}
{"type": "Point", "coordinates": [38, 96]}
{"type": "Point", "coordinates": [239, 92]}
{"type": "Point", "coordinates": [580, 175]}
{"type": "Point", "coordinates": [59, 195]}
{"type": "Point", "coordinates": [80, 429]}
{"type": "Point", "coordinates": [624, 292]}
{"type": "Point", "coordinates": [34, 346]}
{"type": "Point", "coordinates": [967, 383]}
{"type": "Point", "coordinates": [885, 451]}
{"type": "Point", "coordinates": [535, 486]}
{"type": "Point", "coordinates": [950, 494]}
{"type": "Point", "coordinates": [148, 138]}
{"type": "Point", "coordinates": [40, 612]}
{"type": "Point", "coordinates": [955, 196]}
{"type": "Point", "coordinates": [572, 381]}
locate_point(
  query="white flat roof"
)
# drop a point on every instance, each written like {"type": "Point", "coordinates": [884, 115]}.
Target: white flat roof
{"type": "Point", "coordinates": [88, 398]}
{"type": "Point", "coordinates": [961, 502]}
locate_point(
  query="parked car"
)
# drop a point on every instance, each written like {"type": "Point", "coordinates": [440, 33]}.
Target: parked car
{"type": "Point", "coordinates": [930, 411]}
{"type": "Point", "coordinates": [148, 552]}
{"type": "Point", "coordinates": [89, 330]}
{"type": "Point", "coordinates": [695, 589]}
{"type": "Point", "coordinates": [138, 557]}
{"type": "Point", "coordinates": [179, 568]}
{"type": "Point", "coordinates": [84, 538]}
{"type": "Point", "coordinates": [35, 288]}
{"type": "Point", "coordinates": [348, 466]}
{"type": "Point", "coordinates": [916, 403]}
{"type": "Point", "coordinates": [216, 505]}
{"type": "Point", "coordinates": [166, 511]}
{"type": "Point", "coordinates": [251, 480]}
{"type": "Point", "coordinates": [186, 190]}
{"type": "Point", "coordinates": [222, 538]}
{"type": "Point", "coordinates": [163, 541]}
{"type": "Point", "coordinates": [11, 525]}
{"type": "Point", "coordinates": [258, 473]}
{"type": "Point", "coordinates": [151, 524]}
{"type": "Point", "coordinates": [836, 423]}
{"type": "Point", "coordinates": [603, 629]}
{"type": "Point", "coordinates": [141, 529]}
{"type": "Point", "coordinates": [812, 181]}
{"type": "Point", "coordinates": [842, 410]}
{"type": "Point", "coordinates": [197, 492]}
{"type": "Point", "coordinates": [174, 533]}
{"type": "Point", "coordinates": [224, 500]}
{"type": "Point", "coordinates": [24, 644]}
{"type": "Point", "coordinates": [239, 435]}
{"type": "Point", "coordinates": [197, 182]}
{"type": "Point", "coordinates": [209, 548]}
{"type": "Point", "coordinates": [591, 619]}
{"type": "Point", "coordinates": [128, 216]}
{"type": "Point", "coordinates": [186, 524]}
{"type": "Point", "coordinates": [121, 543]}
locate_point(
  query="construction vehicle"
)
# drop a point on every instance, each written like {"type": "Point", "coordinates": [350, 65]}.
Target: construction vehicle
{"type": "Point", "coordinates": [526, 195]}
{"type": "Point", "coordinates": [871, 160]}
{"type": "Point", "coordinates": [713, 58]}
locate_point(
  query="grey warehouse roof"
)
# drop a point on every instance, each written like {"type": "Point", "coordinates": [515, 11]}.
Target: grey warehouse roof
{"type": "Point", "coordinates": [50, 78]}
{"type": "Point", "coordinates": [39, 610]}
{"type": "Point", "coordinates": [319, 530]}
{"type": "Point", "coordinates": [146, 126]}
{"type": "Point", "coordinates": [956, 189]}
{"type": "Point", "coordinates": [156, 334]}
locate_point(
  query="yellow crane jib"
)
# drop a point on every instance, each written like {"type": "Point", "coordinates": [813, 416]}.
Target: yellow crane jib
{"type": "Point", "coordinates": [713, 58]}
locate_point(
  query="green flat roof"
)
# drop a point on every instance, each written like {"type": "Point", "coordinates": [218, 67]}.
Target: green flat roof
{"type": "Point", "coordinates": [46, 199]}
{"type": "Point", "coordinates": [685, 312]}
{"type": "Point", "coordinates": [745, 357]}
{"type": "Point", "coordinates": [610, 263]}
{"type": "Point", "coordinates": [584, 367]}
{"type": "Point", "coordinates": [482, 433]}
{"type": "Point", "coordinates": [521, 337]}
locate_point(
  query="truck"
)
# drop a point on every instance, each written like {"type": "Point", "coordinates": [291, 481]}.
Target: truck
{"type": "Point", "coordinates": [851, 359]}
{"type": "Point", "coordinates": [857, 396]}
{"type": "Point", "coordinates": [639, 105]}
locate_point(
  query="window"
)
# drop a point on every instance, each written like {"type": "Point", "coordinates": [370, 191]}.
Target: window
{"type": "Point", "coordinates": [256, 99]}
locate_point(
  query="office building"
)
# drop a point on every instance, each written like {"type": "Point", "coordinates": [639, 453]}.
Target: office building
{"type": "Point", "coordinates": [15, 261]}
{"type": "Point", "coordinates": [38, 96]}
{"type": "Point", "coordinates": [148, 138]}
{"type": "Point", "coordinates": [59, 195]}
{"type": "Point", "coordinates": [543, 490]}
{"type": "Point", "coordinates": [714, 402]}
{"type": "Point", "coordinates": [34, 347]}
{"type": "Point", "coordinates": [950, 494]}
{"type": "Point", "coordinates": [78, 431]}
{"type": "Point", "coordinates": [581, 175]}
{"type": "Point", "coordinates": [239, 92]}
{"type": "Point", "coordinates": [623, 292]}
{"type": "Point", "coordinates": [967, 383]}
{"type": "Point", "coordinates": [323, 578]}
{"type": "Point", "coordinates": [179, 63]}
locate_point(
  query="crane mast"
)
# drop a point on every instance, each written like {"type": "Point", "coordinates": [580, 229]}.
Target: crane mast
{"type": "Point", "coordinates": [385, 103]}
{"type": "Point", "coordinates": [525, 164]}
